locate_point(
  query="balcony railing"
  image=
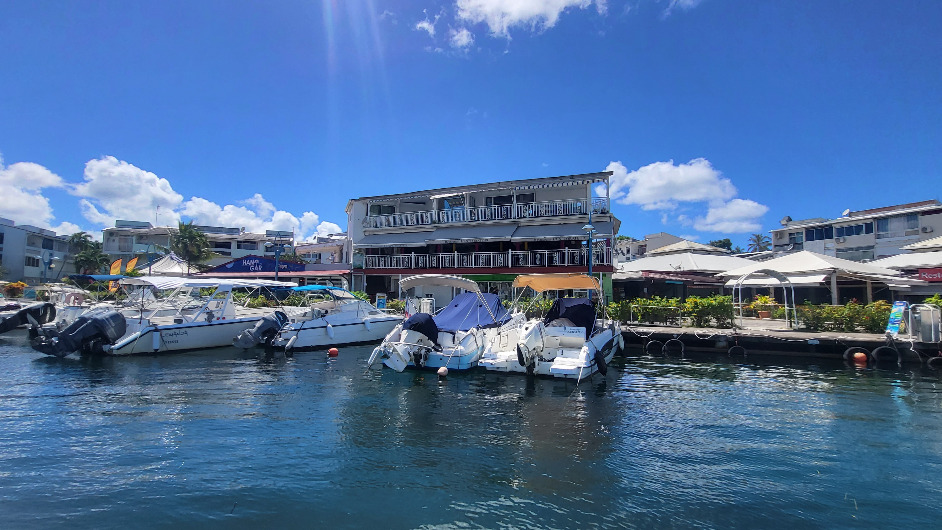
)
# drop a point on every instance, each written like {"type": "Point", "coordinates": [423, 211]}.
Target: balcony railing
{"type": "Point", "coordinates": [489, 260]}
{"type": "Point", "coordinates": [487, 213]}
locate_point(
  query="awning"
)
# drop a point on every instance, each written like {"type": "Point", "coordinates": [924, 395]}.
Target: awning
{"type": "Point", "coordinates": [556, 282]}
{"type": "Point", "coordinates": [406, 239]}
{"type": "Point", "coordinates": [472, 234]}
{"type": "Point", "coordinates": [796, 279]}
{"type": "Point", "coordinates": [563, 231]}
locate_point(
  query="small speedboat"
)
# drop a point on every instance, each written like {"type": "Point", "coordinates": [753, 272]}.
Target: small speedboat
{"type": "Point", "coordinates": [573, 340]}
{"type": "Point", "coordinates": [453, 338]}
{"type": "Point", "coordinates": [201, 313]}
{"type": "Point", "coordinates": [331, 317]}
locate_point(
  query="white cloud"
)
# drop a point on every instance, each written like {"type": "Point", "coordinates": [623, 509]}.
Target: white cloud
{"type": "Point", "coordinates": [735, 216]}
{"type": "Point", "coordinates": [662, 185]}
{"type": "Point", "coordinates": [114, 189]}
{"type": "Point", "coordinates": [327, 228]}
{"type": "Point", "coordinates": [679, 188]}
{"type": "Point", "coordinates": [427, 25]}
{"type": "Point", "coordinates": [502, 15]}
{"type": "Point", "coordinates": [683, 5]}
{"type": "Point", "coordinates": [21, 186]}
{"type": "Point", "coordinates": [460, 38]}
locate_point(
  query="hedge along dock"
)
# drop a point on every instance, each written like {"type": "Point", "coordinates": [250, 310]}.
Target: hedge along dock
{"type": "Point", "coordinates": [772, 337]}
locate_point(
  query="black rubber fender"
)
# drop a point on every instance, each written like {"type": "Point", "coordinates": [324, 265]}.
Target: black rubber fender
{"type": "Point", "coordinates": [600, 362]}
{"type": "Point", "coordinates": [674, 346]}
{"type": "Point", "coordinates": [935, 362]}
{"type": "Point", "coordinates": [520, 358]}
{"type": "Point", "coordinates": [886, 354]}
{"type": "Point", "coordinates": [849, 352]}
{"type": "Point", "coordinates": [654, 347]}
{"type": "Point", "coordinates": [737, 350]}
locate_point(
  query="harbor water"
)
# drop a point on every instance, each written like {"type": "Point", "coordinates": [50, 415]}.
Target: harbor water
{"type": "Point", "coordinates": [220, 439]}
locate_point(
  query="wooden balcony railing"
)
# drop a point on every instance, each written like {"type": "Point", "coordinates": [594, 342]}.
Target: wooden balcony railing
{"type": "Point", "coordinates": [487, 213]}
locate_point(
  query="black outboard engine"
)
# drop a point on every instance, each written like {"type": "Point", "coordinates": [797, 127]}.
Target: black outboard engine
{"type": "Point", "coordinates": [263, 332]}
{"type": "Point", "coordinates": [40, 313]}
{"type": "Point", "coordinates": [87, 334]}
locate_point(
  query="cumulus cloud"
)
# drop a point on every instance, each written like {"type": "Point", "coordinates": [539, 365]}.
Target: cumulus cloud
{"type": "Point", "coordinates": [676, 188]}
{"type": "Point", "coordinates": [114, 189]}
{"type": "Point", "coordinates": [502, 15]}
{"type": "Point", "coordinates": [662, 185]}
{"type": "Point", "coordinates": [460, 38]}
{"type": "Point", "coordinates": [735, 216]}
{"type": "Point", "coordinates": [21, 186]}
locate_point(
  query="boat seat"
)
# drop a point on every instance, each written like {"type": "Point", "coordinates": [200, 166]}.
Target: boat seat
{"type": "Point", "coordinates": [564, 337]}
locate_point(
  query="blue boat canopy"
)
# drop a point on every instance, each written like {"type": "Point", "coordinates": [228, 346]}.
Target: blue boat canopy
{"type": "Point", "coordinates": [467, 311]}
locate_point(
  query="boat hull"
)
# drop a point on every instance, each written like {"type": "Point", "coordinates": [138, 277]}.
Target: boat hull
{"type": "Point", "coordinates": [171, 338]}
{"type": "Point", "coordinates": [322, 332]}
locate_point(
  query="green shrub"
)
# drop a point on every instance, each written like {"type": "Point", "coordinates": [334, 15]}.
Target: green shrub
{"type": "Point", "coordinates": [715, 311]}
{"type": "Point", "coordinates": [851, 318]}
{"type": "Point", "coordinates": [396, 306]}
{"type": "Point", "coordinates": [935, 300]}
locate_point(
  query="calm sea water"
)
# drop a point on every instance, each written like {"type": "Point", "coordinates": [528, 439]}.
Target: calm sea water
{"type": "Point", "coordinates": [219, 439]}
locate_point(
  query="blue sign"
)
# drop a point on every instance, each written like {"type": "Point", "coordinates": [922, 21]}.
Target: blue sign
{"type": "Point", "coordinates": [896, 318]}
{"type": "Point", "coordinates": [258, 264]}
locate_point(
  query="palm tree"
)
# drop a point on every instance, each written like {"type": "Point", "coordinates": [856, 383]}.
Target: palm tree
{"type": "Point", "coordinates": [79, 241]}
{"type": "Point", "coordinates": [759, 243]}
{"type": "Point", "coordinates": [91, 259]}
{"type": "Point", "coordinates": [191, 244]}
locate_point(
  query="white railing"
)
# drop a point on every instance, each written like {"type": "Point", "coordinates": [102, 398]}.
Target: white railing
{"type": "Point", "coordinates": [486, 213]}
{"type": "Point", "coordinates": [489, 260]}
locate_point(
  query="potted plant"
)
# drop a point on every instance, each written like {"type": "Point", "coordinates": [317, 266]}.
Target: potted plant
{"type": "Point", "coordinates": [763, 306]}
{"type": "Point", "coordinates": [14, 290]}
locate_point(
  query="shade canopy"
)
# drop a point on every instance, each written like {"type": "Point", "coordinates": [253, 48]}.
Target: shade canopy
{"type": "Point", "coordinates": [684, 262]}
{"type": "Point", "coordinates": [556, 282]}
{"type": "Point", "coordinates": [806, 262]}
{"type": "Point", "coordinates": [438, 280]}
{"type": "Point", "coordinates": [916, 260]}
{"type": "Point", "coordinates": [687, 246]}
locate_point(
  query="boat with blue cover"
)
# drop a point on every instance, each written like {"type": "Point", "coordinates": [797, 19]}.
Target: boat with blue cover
{"type": "Point", "coordinates": [454, 338]}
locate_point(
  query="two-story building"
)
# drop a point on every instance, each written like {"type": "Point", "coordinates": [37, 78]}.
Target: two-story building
{"type": "Point", "coordinates": [128, 239]}
{"type": "Point", "coordinates": [487, 232]}
{"type": "Point", "coordinates": [861, 235]}
{"type": "Point", "coordinates": [33, 254]}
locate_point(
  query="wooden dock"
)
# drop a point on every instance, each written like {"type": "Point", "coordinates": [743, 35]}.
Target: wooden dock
{"type": "Point", "coordinates": [773, 338]}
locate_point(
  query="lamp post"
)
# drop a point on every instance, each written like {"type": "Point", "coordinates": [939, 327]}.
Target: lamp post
{"type": "Point", "coordinates": [278, 249]}
{"type": "Point", "coordinates": [48, 263]}
{"type": "Point", "coordinates": [589, 230]}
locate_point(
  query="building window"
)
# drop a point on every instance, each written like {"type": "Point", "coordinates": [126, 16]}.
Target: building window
{"type": "Point", "coordinates": [382, 209]}
{"type": "Point", "coordinates": [912, 221]}
{"type": "Point", "coordinates": [248, 245]}
{"type": "Point", "coordinates": [48, 244]}
{"type": "Point", "coordinates": [1, 238]}
{"type": "Point", "coordinates": [222, 245]}
{"type": "Point", "coordinates": [31, 261]}
{"type": "Point", "coordinates": [795, 238]}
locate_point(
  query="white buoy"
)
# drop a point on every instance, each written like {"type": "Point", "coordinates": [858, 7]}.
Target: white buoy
{"type": "Point", "coordinates": [291, 341]}
{"type": "Point", "coordinates": [443, 372]}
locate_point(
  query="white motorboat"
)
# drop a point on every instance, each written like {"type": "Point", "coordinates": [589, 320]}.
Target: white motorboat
{"type": "Point", "coordinates": [453, 338]}
{"type": "Point", "coordinates": [199, 314]}
{"type": "Point", "coordinates": [570, 341]}
{"type": "Point", "coordinates": [331, 317]}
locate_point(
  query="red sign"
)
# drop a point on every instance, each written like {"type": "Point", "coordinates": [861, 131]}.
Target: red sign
{"type": "Point", "coordinates": [931, 275]}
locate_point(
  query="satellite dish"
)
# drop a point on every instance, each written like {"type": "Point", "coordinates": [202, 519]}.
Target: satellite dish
{"type": "Point", "coordinates": [785, 220]}
{"type": "Point", "coordinates": [845, 213]}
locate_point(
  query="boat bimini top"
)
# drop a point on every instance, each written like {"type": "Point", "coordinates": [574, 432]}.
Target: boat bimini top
{"type": "Point", "coordinates": [439, 280]}
{"type": "Point", "coordinates": [557, 282]}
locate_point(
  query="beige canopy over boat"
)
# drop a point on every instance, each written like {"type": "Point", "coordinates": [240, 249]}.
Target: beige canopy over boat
{"type": "Point", "coordinates": [556, 282]}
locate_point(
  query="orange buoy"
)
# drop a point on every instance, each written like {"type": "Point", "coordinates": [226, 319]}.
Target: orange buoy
{"type": "Point", "coordinates": [860, 358]}
{"type": "Point", "coordinates": [333, 352]}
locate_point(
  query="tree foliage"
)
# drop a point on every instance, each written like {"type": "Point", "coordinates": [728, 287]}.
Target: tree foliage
{"type": "Point", "coordinates": [722, 243]}
{"type": "Point", "coordinates": [191, 244]}
{"type": "Point", "coordinates": [759, 243]}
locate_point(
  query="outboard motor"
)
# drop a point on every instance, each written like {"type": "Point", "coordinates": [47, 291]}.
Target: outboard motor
{"type": "Point", "coordinates": [88, 334]}
{"type": "Point", "coordinates": [40, 313]}
{"type": "Point", "coordinates": [263, 332]}
{"type": "Point", "coordinates": [419, 333]}
{"type": "Point", "coordinates": [531, 343]}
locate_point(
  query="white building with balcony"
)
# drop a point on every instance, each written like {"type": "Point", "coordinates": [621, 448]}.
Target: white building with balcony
{"type": "Point", "coordinates": [128, 239]}
{"type": "Point", "coordinates": [33, 254]}
{"type": "Point", "coordinates": [487, 232]}
{"type": "Point", "coordinates": [862, 235]}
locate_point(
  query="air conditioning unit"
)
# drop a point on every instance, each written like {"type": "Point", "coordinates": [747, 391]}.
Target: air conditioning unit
{"type": "Point", "coordinates": [927, 230]}
{"type": "Point", "coordinates": [840, 239]}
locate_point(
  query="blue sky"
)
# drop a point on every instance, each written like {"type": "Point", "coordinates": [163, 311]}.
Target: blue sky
{"type": "Point", "coordinates": [719, 117]}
